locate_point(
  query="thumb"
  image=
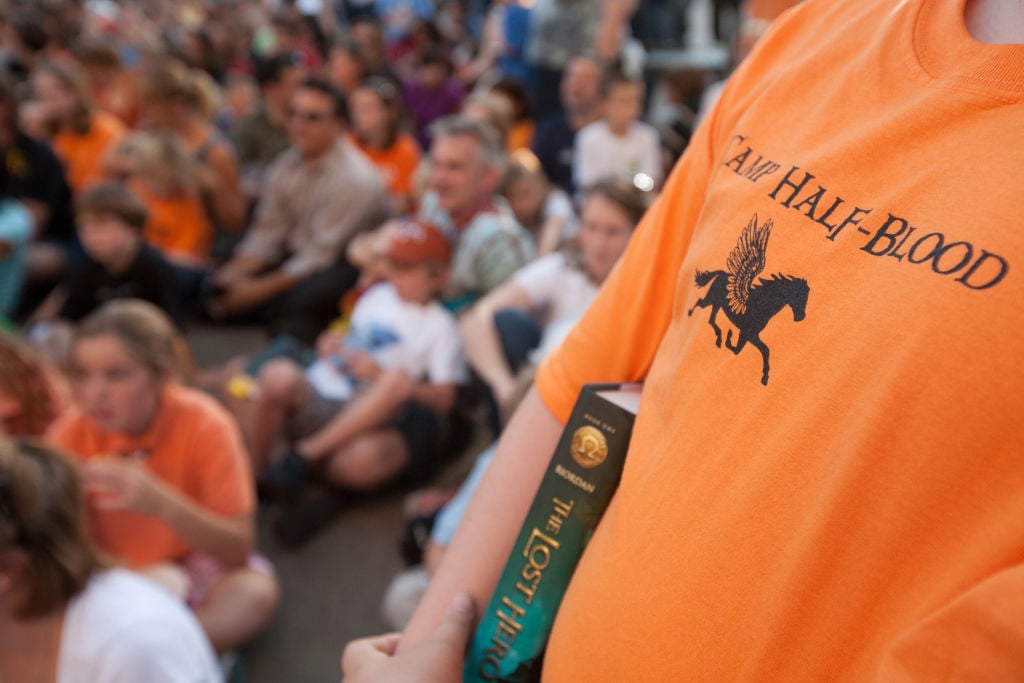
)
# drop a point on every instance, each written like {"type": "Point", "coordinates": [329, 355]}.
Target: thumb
{"type": "Point", "coordinates": [457, 625]}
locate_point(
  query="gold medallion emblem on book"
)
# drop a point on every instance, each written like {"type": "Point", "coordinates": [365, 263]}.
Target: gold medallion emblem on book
{"type": "Point", "coordinates": [589, 447]}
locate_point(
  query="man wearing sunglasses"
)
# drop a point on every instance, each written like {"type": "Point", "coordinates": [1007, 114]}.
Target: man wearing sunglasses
{"type": "Point", "coordinates": [290, 269]}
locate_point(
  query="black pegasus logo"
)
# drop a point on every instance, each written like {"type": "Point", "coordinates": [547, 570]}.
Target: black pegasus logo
{"type": "Point", "coordinates": [750, 306]}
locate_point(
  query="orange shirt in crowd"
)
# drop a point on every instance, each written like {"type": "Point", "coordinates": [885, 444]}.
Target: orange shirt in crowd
{"type": "Point", "coordinates": [177, 226]}
{"type": "Point", "coordinates": [193, 445]}
{"type": "Point", "coordinates": [397, 164]}
{"type": "Point", "coordinates": [82, 154]}
{"type": "Point", "coordinates": [520, 135]}
{"type": "Point", "coordinates": [831, 487]}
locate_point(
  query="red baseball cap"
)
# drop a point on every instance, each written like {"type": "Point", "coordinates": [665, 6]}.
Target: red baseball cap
{"type": "Point", "coordinates": [413, 242]}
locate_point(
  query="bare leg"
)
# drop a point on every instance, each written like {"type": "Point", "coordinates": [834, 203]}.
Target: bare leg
{"type": "Point", "coordinates": [368, 462]}
{"type": "Point", "coordinates": [238, 607]}
{"type": "Point", "coordinates": [283, 389]}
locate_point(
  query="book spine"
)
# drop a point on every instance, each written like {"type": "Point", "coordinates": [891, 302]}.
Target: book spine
{"type": "Point", "coordinates": [583, 474]}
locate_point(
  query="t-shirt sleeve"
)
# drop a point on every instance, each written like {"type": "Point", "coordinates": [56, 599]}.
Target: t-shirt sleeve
{"type": "Point", "coordinates": [540, 278]}
{"type": "Point", "coordinates": [616, 338]}
{"type": "Point", "coordinates": [978, 636]}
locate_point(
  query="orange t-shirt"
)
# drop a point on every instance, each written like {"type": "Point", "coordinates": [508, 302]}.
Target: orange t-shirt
{"type": "Point", "coordinates": [397, 164]}
{"type": "Point", "coordinates": [520, 135]}
{"type": "Point", "coordinates": [177, 226]}
{"type": "Point", "coordinates": [849, 506]}
{"type": "Point", "coordinates": [193, 445]}
{"type": "Point", "coordinates": [82, 154]}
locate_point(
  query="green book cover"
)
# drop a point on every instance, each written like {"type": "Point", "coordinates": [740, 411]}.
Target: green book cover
{"type": "Point", "coordinates": [584, 472]}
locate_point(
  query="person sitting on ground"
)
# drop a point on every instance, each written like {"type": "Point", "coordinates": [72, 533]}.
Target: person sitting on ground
{"type": "Point", "coordinates": [377, 132]}
{"type": "Point", "coordinates": [117, 263]}
{"type": "Point", "coordinates": [182, 101]}
{"type": "Point", "coordinates": [66, 615]}
{"type": "Point", "coordinates": [619, 143]}
{"type": "Point", "coordinates": [466, 166]}
{"type": "Point", "coordinates": [36, 178]}
{"type": "Point", "coordinates": [504, 342]}
{"type": "Point", "coordinates": [167, 479]}
{"type": "Point", "coordinates": [163, 175]}
{"type": "Point", "coordinates": [290, 269]}
{"type": "Point", "coordinates": [467, 162]}
{"type": "Point", "coordinates": [79, 133]}
{"type": "Point", "coordinates": [371, 410]}
{"type": "Point", "coordinates": [528, 316]}
{"type": "Point", "coordinates": [262, 136]}
{"type": "Point", "coordinates": [546, 211]}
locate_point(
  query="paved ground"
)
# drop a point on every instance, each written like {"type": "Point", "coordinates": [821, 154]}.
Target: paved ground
{"type": "Point", "coordinates": [332, 587]}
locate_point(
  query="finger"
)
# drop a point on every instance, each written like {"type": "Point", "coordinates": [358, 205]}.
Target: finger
{"type": "Point", "coordinates": [360, 653]}
{"type": "Point", "coordinates": [457, 625]}
{"type": "Point", "coordinates": [386, 644]}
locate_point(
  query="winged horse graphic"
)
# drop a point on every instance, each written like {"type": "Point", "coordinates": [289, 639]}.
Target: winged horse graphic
{"type": "Point", "coordinates": [749, 305]}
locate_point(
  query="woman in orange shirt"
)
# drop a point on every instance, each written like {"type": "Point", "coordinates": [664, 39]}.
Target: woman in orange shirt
{"type": "Point", "coordinates": [160, 171]}
{"type": "Point", "coordinates": [166, 475]}
{"type": "Point", "coordinates": [178, 100]}
{"type": "Point", "coordinates": [376, 106]}
{"type": "Point", "coordinates": [80, 134]}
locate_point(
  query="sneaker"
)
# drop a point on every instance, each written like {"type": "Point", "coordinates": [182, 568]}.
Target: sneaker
{"type": "Point", "coordinates": [302, 521]}
{"type": "Point", "coordinates": [285, 479]}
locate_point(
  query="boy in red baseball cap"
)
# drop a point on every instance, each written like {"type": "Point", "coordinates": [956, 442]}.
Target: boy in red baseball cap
{"type": "Point", "coordinates": [371, 410]}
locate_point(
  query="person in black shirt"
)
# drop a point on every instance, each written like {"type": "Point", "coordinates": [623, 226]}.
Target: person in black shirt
{"type": "Point", "coordinates": [35, 177]}
{"type": "Point", "coordinates": [117, 264]}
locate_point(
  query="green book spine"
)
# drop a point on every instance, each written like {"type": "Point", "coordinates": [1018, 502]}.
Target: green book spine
{"type": "Point", "coordinates": [584, 472]}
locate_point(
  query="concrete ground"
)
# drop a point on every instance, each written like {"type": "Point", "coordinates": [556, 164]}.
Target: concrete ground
{"type": "Point", "coordinates": [332, 587]}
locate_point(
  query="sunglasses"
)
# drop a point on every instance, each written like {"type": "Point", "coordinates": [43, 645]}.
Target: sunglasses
{"type": "Point", "coordinates": [308, 116]}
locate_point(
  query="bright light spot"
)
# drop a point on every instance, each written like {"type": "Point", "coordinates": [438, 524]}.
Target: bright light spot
{"type": "Point", "coordinates": [644, 182]}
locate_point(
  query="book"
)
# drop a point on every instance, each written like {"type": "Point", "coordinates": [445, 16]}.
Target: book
{"type": "Point", "coordinates": [577, 487]}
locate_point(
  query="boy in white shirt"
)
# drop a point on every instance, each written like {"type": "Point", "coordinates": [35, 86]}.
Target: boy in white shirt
{"type": "Point", "coordinates": [619, 144]}
{"type": "Point", "coordinates": [370, 411]}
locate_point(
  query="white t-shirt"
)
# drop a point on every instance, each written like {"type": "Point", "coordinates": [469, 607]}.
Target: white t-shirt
{"type": "Point", "coordinates": [553, 283]}
{"type": "Point", "coordinates": [598, 153]}
{"type": "Point", "coordinates": [422, 340]}
{"type": "Point", "coordinates": [125, 629]}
